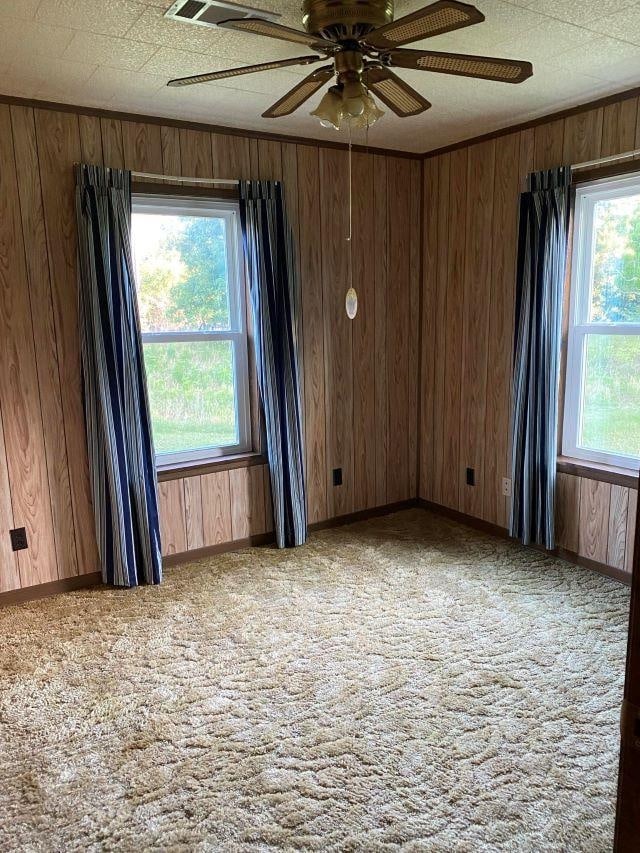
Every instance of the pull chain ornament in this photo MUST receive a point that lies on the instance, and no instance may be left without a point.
(351, 299)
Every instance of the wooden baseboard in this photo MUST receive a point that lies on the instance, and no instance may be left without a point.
(503, 533)
(269, 538)
(469, 520)
(31, 593)
(44, 590)
(594, 565)
(221, 548)
(363, 515)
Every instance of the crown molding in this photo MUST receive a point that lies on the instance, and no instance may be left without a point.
(616, 98)
(210, 128)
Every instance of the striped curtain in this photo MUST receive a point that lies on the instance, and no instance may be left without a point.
(542, 255)
(121, 456)
(273, 284)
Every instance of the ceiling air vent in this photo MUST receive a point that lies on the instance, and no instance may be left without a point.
(209, 13)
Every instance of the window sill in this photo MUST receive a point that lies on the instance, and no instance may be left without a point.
(223, 463)
(595, 471)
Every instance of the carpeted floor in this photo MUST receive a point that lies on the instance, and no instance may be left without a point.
(403, 681)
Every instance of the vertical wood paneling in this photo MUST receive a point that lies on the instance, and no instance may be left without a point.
(112, 147)
(9, 572)
(632, 510)
(477, 284)
(568, 512)
(590, 518)
(58, 143)
(398, 308)
(428, 320)
(364, 446)
(22, 416)
(41, 306)
(619, 127)
(240, 491)
(216, 508)
(500, 338)
(142, 145)
(548, 145)
(527, 155)
(313, 332)
(193, 512)
(441, 392)
(454, 315)
(269, 160)
(195, 154)
(231, 157)
(381, 274)
(593, 537)
(618, 510)
(337, 330)
(173, 528)
(90, 139)
(170, 144)
(257, 513)
(582, 136)
(413, 198)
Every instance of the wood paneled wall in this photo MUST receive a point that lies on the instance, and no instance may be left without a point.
(470, 251)
(360, 381)
(596, 520)
(212, 509)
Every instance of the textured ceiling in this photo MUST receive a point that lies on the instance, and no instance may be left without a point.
(119, 54)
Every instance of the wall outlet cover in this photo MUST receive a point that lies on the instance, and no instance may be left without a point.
(471, 477)
(19, 539)
(337, 476)
(506, 487)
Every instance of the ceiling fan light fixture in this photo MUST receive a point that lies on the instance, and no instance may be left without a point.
(330, 109)
(353, 95)
(370, 114)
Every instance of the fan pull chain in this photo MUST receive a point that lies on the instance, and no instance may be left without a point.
(351, 299)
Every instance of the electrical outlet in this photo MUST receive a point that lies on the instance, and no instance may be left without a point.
(19, 539)
(337, 476)
(471, 477)
(506, 487)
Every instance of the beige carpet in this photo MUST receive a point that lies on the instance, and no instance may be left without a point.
(401, 682)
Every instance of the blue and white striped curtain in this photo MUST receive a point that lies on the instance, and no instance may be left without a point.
(121, 456)
(542, 255)
(274, 290)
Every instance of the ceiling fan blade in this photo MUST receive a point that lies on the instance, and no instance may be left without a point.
(394, 92)
(299, 94)
(463, 65)
(245, 69)
(441, 17)
(277, 31)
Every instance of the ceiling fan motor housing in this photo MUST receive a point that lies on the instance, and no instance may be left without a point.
(345, 19)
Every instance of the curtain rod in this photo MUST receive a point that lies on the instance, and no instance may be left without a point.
(185, 178)
(612, 159)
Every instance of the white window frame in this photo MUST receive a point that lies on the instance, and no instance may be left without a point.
(229, 211)
(586, 198)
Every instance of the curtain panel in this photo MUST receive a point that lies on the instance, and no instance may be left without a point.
(542, 255)
(121, 455)
(274, 289)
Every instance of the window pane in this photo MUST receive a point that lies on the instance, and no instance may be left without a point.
(182, 272)
(615, 293)
(191, 395)
(611, 408)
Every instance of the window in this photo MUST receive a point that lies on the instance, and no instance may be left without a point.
(602, 401)
(192, 316)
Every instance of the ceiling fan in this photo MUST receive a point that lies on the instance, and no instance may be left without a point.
(364, 44)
